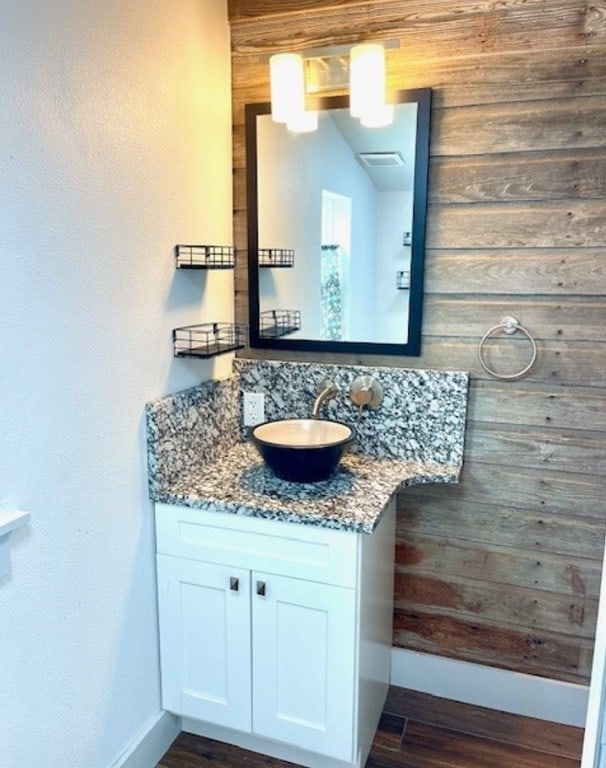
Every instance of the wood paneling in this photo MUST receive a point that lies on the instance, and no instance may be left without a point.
(456, 596)
(516, 646)
(428, 28)
(537, 406)
(512, 225)
(543, 450)
(536, 125)
(571, 318)
(552, 271)
(503, 569)
(480, 179)
(505, 566)
(535, 530)
(521, 488)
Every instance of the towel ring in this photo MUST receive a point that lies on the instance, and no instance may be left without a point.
(508, 325)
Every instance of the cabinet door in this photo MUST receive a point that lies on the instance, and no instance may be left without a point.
(205, 641)
(303, 663)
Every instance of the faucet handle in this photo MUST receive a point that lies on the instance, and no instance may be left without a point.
(328, 389)
(366, 391)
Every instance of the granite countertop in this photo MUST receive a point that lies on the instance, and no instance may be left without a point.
(353, 499)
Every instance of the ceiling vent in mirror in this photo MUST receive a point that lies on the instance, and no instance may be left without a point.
(380, 159)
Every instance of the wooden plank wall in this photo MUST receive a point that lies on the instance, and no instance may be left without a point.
(503, 569)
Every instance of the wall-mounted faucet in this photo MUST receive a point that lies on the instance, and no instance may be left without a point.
(327, 392)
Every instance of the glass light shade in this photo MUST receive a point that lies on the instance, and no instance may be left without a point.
(366, 80)
(304, 122)
(286, 86)
(379, 117)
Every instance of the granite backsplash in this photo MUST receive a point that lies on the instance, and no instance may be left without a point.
(421, 418)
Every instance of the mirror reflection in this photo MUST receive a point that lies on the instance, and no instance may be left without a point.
(336, 229)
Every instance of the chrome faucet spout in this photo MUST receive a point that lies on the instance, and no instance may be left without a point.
(327, 392)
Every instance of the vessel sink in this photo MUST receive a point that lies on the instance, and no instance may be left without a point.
(302, 450)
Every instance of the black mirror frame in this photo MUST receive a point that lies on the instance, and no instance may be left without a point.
(412, 348)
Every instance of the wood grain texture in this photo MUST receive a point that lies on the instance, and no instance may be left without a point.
(569, 224)
(455, 735)
(521, 488)
(531, 650)
(540, 449)
(505, 566)
(486, 27)
(472, 598)
(516, 226)
(521, 529)
(255, 9)
(517, 271)
(540, 735)
(498, 178)
(527, 404)
(572, 318)
(519, 127)
(426, 746)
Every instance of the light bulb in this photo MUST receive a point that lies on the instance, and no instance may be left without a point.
(379, 118)
(287, 86)
(304, 122)
(366, 80)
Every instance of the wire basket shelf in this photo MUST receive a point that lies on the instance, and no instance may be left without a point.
(274, 323)
(276, 257)
(403, 279)
(208, 339)
(204, 257)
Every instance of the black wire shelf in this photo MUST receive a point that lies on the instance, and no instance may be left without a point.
(276, 257)
(204, 257)
(208, 339)
(274, 323)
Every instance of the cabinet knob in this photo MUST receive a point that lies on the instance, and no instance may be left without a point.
(234, 583)
(261, 588)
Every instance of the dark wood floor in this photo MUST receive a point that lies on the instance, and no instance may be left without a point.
(421, 731)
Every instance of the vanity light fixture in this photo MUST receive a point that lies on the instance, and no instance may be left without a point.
(360, 67)
(367, 85)
(287, 85)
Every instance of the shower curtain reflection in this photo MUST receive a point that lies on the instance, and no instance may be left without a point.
(334, 266)
(330, 293)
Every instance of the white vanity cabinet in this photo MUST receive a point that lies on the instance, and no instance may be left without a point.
(275, 636)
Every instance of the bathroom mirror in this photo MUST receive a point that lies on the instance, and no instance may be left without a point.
(336, 229)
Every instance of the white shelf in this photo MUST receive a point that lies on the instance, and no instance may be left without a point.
(9, 521)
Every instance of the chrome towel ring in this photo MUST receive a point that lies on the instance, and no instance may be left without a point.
(508, 325)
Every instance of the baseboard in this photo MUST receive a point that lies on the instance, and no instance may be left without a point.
(150, 743)
(500, 689)
(490, 687)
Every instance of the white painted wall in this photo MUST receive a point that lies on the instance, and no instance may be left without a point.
(115, 145)
(394, 216)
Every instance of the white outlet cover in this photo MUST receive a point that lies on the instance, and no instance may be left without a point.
(253, 406)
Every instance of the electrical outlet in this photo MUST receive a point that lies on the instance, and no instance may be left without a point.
(253, 405)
